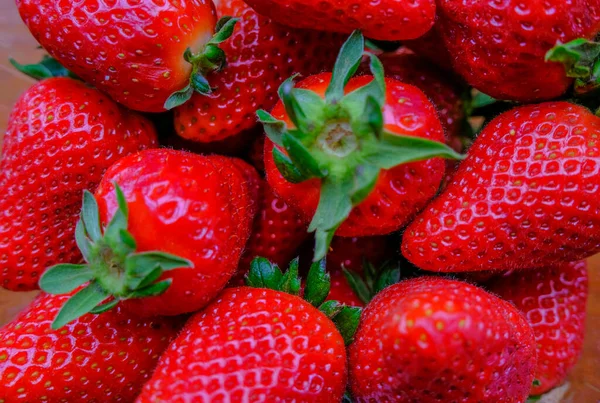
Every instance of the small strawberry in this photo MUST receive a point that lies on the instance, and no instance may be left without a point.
(104, 358)
(344, 151)
(260, 344)
(260, 56)
(277, 234)
(61, 138)
(388, 20)
(443, 92)
(523, 198)
(554, 301)
(437, 340)
(500, 47)
(148, 207)
(147, 55)
(351, 253)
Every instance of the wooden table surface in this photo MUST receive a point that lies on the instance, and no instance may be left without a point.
(16, 42)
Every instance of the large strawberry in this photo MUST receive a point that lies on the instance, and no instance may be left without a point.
(104, 358)
(388, 20)
(61, 138)
(500, 47)
(158, 211)
(259, 344)
(554, 301)
(525, 197)
(436, 340)
(343, 150)
(142, 53)
(261, 54)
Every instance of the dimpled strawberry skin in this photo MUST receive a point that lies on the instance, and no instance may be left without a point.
(130, 49)
(383, 19)
(499, 46)
(260, 56)
(525, 197)
(554, 301)
(400, 192)
(61, 138)
(436, 340)
(253, 345)
(97, 358)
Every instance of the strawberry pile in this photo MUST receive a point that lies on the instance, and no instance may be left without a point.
(300, 200)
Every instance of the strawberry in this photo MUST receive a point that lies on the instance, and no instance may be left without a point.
(153, 205)
(445, 94)
(148, 55)
(431, 46)
(523, 198)
(500, 47)
(388, 20)
(437, 340)
(341, 290)
(104, 358)
(259, 344)
(344, 151)
(277, 234)
(554, 301)
(260, 55)
(61, 138)
(352, 253)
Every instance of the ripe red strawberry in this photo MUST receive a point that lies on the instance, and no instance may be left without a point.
(437, 340)
(352, 253)
(104, 358)
(139, 52)
(258, 345)
(554, 301)
(277, 234)
(523, 198)
(172, 211)
(500, 47)
(260, 56)
(351, 149)
(444, 93)
(388, 20)
(61, 138)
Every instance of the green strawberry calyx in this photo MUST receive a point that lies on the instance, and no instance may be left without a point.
(581, 59)
(210, 59)
(113, 270)
(48, 67)
(373, 280)
(341, 140)
(264, 274)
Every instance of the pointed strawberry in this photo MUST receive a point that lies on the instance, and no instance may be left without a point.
(163, 235)
(61, 138)
(345, 151)
(523, 198)
(260, 343)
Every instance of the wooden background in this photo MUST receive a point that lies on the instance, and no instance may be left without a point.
(16, 42)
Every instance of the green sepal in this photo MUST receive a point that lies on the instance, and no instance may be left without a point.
(264, 274)
(48, 67)
(345, 66)
(79, 304)
(373, 280)
(331, 308)
(347, 321)
(113, 270)
(287, 168)
(480, 100)
(318, 284)
(290, 282)
(581, 59)
(363, 182)
(64, 278)
(274, 128)
(388, 277)
(211, 58)
(359, 286)
(356, 101)
(105, 307)
(304, 162)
